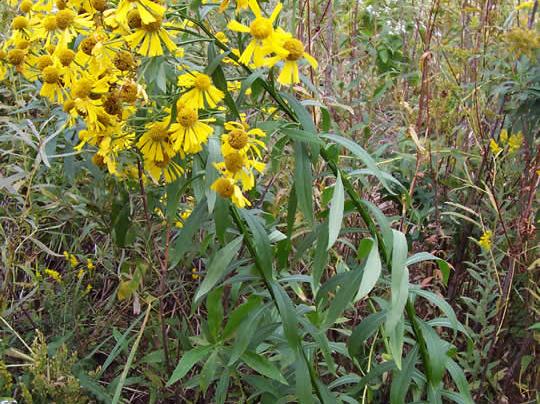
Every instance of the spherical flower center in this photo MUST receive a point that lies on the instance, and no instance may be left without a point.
(124, 61)
(49, 23)
(26, 6)
(61, 4)
(295, 48)
(261, 28)
(152, 26)
(22, 44)
(158, 132)
(202, 82)
(15, 57)
(233, 162)
(224, 187)
(134, 19)
(88, 44)
(68, 106)
(64, 18)
(238, 139)
(187, 117)
(83, 88)
(51, 75)
(20, 22)
(66, 56)
(44, 61)
(98, 160)
(3, 54)
(99, 5)
(128, 92)
(112, 105)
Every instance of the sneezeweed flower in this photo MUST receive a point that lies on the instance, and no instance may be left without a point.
(71, 258)
(265, 40)
(189, 133)
(150, 36)
(201, 90)
(70, 24)
(239, 138)
(495, 148)
(90, 264)
(169, 169)
(52, 88)
(194, 274)
(503, 137)
(240, 5)
(86, 94)
(515, 141)
(227, 189)
(183, 217)
(148, 10)
(240, 168)
(156, 143)
(295, 52)
(485, 240)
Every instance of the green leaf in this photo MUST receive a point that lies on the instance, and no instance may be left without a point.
(288, 315)
(372, 271)
(348, 287)
(304, 117)
(424, 256)
(222, 387)
(215, 312)
(440, 303)
(363, 331)
(303, 181)
(240, 314)
(399, 295)
(300, 135)
(303, 381)
(244, 335)
(188, 360)
(460, 380)
(218, 267)
(184, 240)
(336, 212)
(437, 349)
(208, 371)
(262, 243)
(320, 258)
(401, 379)
(363, 155)
(263, 366)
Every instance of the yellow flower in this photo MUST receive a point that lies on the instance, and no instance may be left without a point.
(168, 168)
(89, 287)
(239, 138)
(239, 168)
(295, 51)
(183, 216)
(155, 144)
(69, 24)
(265, 39)
(485, 240)
(495, 148)
(201, 90)
(148, 10)
(503, 137)
(189, 133)
(194, 274)
(90, 265)
(240, 5)
(149, 36)
(52, 88)
(515, 141)
(53, 274)
(226, 188)
(524, 5)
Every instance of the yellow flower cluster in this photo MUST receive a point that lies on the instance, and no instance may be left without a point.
(86, 58)
(241, 149)
(269, 46)
(485, 240)
(514, 142)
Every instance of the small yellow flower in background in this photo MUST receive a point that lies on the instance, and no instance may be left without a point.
(184, 215)
(515, 141)
(503, 137)
(485, 240)
(201, 91)
(71, 258)
(80, 273)
(150, 36)
(194, 274)
(90, 265)
(89, 287)
(239, 138)
(495, 148)
(148, 10)
(53, 274)
(524, 5)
